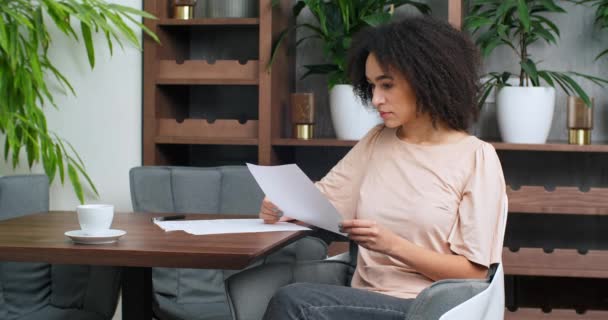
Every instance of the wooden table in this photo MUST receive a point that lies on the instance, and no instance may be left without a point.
(40, 238)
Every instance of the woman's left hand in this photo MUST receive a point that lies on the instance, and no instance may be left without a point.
(370, 235)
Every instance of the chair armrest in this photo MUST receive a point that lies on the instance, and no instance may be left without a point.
(442, 296)
(250, 291)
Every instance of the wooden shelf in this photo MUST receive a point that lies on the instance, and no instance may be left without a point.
(201, 128)
(559, 263)
(555, 146)
(563, 200)
(210, 22)
(199, 131)
(555, 314)
(203, 72)
(314, 142)
(204, 141)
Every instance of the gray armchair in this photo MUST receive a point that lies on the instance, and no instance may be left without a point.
(250, 291)
(45, 291)
(194, 293)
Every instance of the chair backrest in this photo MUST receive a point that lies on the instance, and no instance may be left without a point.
(195, 293)
(228, 189)
(23, 286)
(34, 288)
(490, 303)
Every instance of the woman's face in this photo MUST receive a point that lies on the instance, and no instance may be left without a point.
(392, 94)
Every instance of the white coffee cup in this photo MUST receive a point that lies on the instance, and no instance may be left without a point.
(95, 219)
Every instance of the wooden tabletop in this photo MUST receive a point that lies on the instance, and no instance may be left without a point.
(40, 238)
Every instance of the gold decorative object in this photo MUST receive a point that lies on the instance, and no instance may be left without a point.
(183, 9)
(580, 121)
(303, 115)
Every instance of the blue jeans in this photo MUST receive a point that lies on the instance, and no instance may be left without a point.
(308, 301)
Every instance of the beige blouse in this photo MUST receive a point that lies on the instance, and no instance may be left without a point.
(447, 198)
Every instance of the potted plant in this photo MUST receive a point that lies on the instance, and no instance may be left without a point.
(524, 111)
(337, 21)
(26, 74)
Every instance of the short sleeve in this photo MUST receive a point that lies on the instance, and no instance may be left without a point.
(341, 185)
(478, 231)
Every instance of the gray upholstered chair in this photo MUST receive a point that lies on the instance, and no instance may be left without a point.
(250, 291)
(43, 291)
(193, 293)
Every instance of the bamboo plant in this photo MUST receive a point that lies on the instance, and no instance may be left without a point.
(337, 21)
(518, 24)
(27, 73)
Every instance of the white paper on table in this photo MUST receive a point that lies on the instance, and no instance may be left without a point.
(220, 226)
(293, 192)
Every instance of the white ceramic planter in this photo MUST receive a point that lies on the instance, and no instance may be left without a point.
(525, 113)
(351, 119)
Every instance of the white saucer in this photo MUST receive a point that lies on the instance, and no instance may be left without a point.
(109, 236)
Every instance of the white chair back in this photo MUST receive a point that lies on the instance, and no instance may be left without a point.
(490, 303)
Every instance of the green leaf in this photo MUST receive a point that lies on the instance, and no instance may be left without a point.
(319, 69)
(530, 68)
(60, 166)
(132, 11)
(476, 22)
(603, 53)
(549, 23)
(88, 42)
(377, 19)
(597, 80)
(275, 48)
(73, 175)
(551, 6)
(522, 9)
(579, 91)
(547, 78)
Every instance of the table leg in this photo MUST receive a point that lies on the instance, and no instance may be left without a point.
(136, 293)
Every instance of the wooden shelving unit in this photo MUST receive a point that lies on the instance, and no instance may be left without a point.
(213, 68)
(185, 82)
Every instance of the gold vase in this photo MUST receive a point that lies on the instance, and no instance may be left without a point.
(580, 121)
(183, 9)
(303, 115)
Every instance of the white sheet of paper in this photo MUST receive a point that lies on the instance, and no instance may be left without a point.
(220, 226)
(293, 192)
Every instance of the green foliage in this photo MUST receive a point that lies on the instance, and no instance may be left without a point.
(601, 17)
(518, 24)
(337, 21)
(26, 70)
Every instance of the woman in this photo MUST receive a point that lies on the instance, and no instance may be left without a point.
(420, 196)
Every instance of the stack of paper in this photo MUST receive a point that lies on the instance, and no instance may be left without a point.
(220, 226)
(293, 192)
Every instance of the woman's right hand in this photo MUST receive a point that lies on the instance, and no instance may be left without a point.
(269, 212)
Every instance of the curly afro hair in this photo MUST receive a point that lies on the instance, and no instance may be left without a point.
(438, 61)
